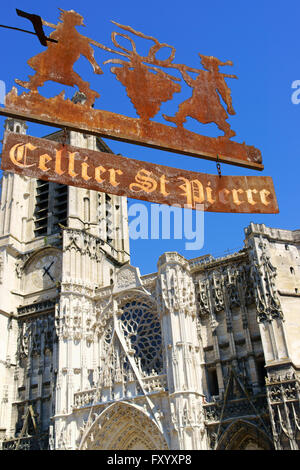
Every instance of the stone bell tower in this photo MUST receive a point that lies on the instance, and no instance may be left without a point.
(58, 245)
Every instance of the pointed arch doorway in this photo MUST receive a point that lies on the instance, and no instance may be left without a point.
(243, 435)
(122, 426)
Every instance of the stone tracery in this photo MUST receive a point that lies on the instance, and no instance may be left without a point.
(142, 330)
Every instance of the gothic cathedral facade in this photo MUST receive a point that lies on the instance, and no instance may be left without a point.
(203, 354)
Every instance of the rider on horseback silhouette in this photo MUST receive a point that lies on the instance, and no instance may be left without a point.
(57, 61)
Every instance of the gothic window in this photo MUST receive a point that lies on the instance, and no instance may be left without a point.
(86, 203)
(91, 378)
(60, 209)
(213, 382)
(107, 208)
(141, 328)
(100, 214)
(261, 372)
(41, 208)
(109, 218)
(51, 207)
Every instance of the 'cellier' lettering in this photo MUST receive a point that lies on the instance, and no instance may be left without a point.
(19, 153)
(43, 159)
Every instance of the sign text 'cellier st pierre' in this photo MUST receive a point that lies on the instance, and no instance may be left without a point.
(149, 82)
(48, 160)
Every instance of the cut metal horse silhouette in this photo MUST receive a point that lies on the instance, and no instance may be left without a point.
(56, 62)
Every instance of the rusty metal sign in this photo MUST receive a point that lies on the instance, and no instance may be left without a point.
(105, 172)
(149, 82)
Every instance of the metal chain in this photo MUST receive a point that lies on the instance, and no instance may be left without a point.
(218, 166)
(64, 137)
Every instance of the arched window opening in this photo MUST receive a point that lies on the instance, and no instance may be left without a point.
(142, 330)
(261, 372)
(213, 384)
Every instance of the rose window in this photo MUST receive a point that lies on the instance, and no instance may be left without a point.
(142, 331)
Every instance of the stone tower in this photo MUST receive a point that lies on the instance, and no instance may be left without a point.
(58, 245)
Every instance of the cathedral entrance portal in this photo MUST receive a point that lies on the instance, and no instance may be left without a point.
(123, 427)
(242, 435)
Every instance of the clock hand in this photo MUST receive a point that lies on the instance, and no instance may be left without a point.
(46, 271)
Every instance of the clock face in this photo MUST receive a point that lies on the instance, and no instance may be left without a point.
(46, 271)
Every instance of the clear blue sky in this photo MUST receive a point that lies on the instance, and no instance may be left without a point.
(260, 37)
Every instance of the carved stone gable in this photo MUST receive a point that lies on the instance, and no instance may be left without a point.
(127, 277)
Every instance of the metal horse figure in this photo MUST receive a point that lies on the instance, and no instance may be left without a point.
(57, 61)
(205, 105)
